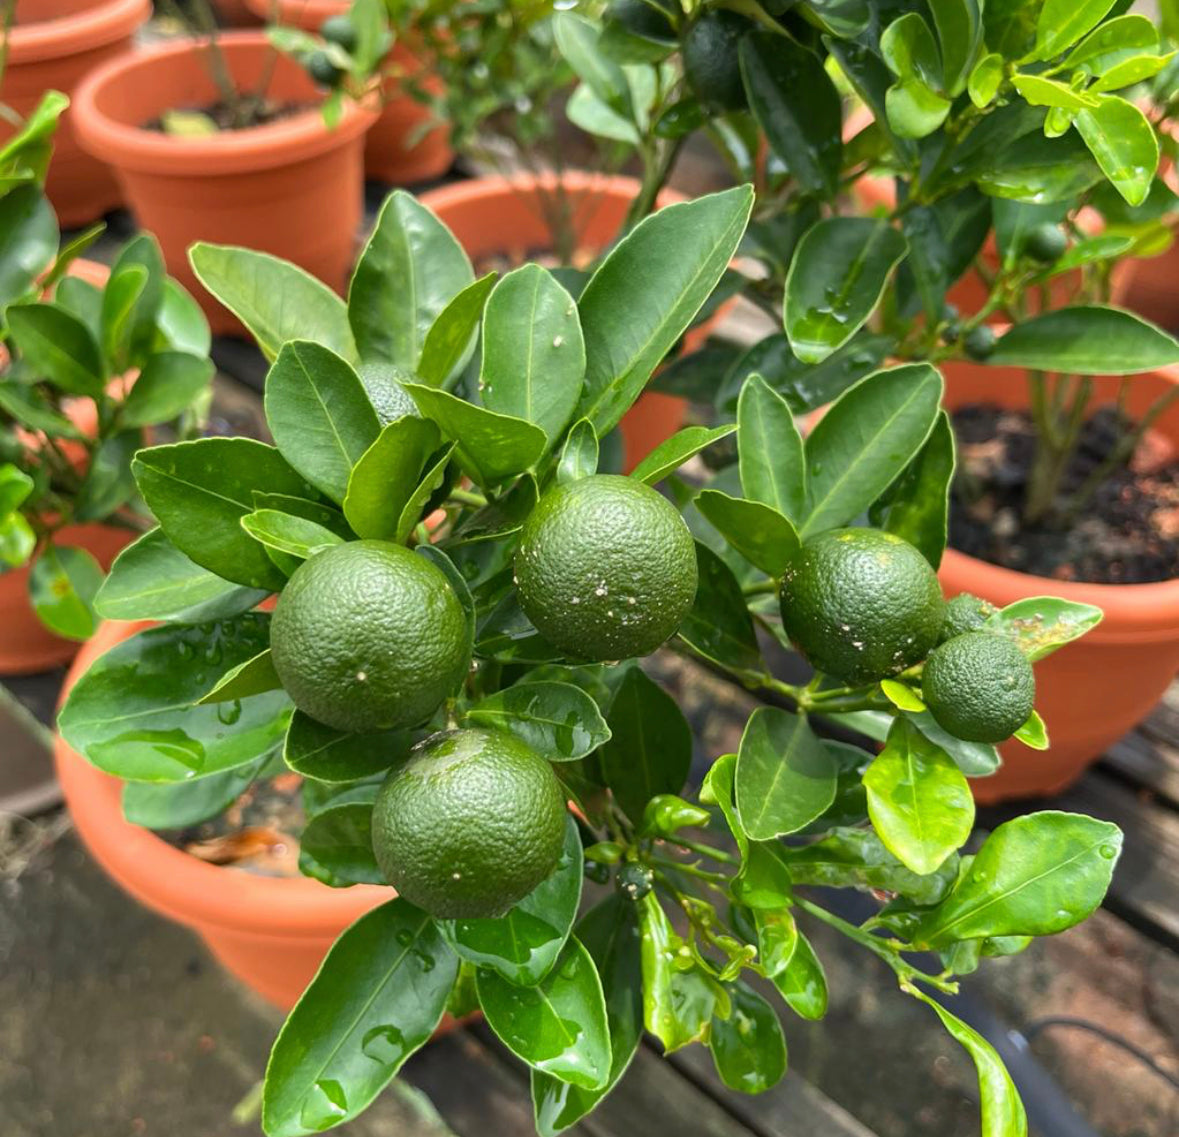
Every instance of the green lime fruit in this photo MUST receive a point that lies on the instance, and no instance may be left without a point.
(642, 18)
(368, 636)
(341, 31)
(979, 686)
(965, 613)
(605, 568)
(321, 68)
(861, 604)
(597, 872)
(1046, 243)
(634, 881)
(712, 64)
(469, 824)
(384, 384)
(980, 342)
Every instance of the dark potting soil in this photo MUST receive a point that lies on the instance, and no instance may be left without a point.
(262, 114)
(1128, 533)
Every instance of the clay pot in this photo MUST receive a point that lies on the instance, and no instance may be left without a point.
(52, 45)
(495, 216)
(272, 933)
(292, 188)
(1095, 690)
(393, 150)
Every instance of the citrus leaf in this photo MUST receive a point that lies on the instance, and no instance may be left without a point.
(1044, 624)
(557, 720)
(57, 346)
(748, 1047)
(167, 386)
(386, 475)
(450, 337)
(773, 470)
(289, 534)
(327, 755)
(579, 455)
(719, 626)
(62, 585)
(673, 452)
(253, 677)
(757, 531)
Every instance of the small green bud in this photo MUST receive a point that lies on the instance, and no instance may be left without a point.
(980, 342)
(665, 813)
(1046, 243)
(596, 871)
(634, 881)
(321, 68)
(604, 852)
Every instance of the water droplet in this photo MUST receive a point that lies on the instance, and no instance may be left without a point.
(324, 1106)
(404, 937)
(185, 650)
(1108, 852)
(384, 1044)
(213, 652)
(229, 713)
(424, 961)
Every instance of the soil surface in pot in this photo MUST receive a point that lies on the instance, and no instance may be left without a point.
(1128, 533)
(227, 116)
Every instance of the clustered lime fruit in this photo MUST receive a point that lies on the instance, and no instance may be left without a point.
(469, 824)
(861, 604)
(369, 636)
(605, 568)
(340, 30)
(965, 613)
(384, 385)
(323, 70)
(712, 61)
(979, 686)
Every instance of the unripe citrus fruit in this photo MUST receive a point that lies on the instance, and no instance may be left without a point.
(979, 686)
(383, 384)
(641, 18)
(1046, 243)
(469, 824)
(861, 604)
(712, 61)
(980, 342)
(965, 613)
(321, 68)
(368, 636)
(339, 30)
(605, 568)
(634, 881)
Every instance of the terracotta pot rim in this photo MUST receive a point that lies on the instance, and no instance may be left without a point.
(302, 13)
(486, 186)
(105, 22)
(176, 884)
(292, 140)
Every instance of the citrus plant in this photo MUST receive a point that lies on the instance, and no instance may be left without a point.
(453, 666)
(87, 371)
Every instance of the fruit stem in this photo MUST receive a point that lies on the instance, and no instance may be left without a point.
(467, 497)
(703, 850)
(760, 588)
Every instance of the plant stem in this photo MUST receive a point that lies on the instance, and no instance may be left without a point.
(467, 497)
(703, 850)
(760, 588)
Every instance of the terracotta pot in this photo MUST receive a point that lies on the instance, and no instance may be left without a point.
(502, 216)
(1154, 289)
(271, 932)
(393, 150)
(52, 45)
(1095, 690)
(292, 188)
(236, 14)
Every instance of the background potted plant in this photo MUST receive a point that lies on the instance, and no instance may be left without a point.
(443, 713)
(92, 360)
(51, 46)
(1001, 131)
(221, 139)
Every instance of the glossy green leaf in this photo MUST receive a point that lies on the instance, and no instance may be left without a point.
(132, 335)
(289, 534)
(108, 482)
(489, 446)
(153, 580)
(1033, 168)
(838, 274)
(1002, 1111)
(28, 241)
(678, 1005)
(451, 335)
(276, 300)
(802, 982)
(1041, 92)
(974, 759)
(770, 450)
(757, 531)
(960, 34)
(914, 110)
(1044, 624)
(645, 293)
(748, 1048)
(1112, 43)
(919, 802)
(719, 626)
(917, 505)
(985, 79)
(62, 585)
(339, 840)
(58, 347)
(1062, 22)
(167, 386)
(533, 350)
(1131, 71)
(1083, 340)
(178, 805)
(502, 517)
(673, 452)
(336, 1052)
(797, 106)
(327, 755)
(558, 1026)
(1034, 876)
(15, 487)
(650, 748)
(610, 933)
(1124, 143)
(181, 321)
(133, 714)
(253, 677)
(866, 439)
(438, 469)
(557, 720)
(410, 270)
(785, 777)
(386, 475)
(319, 414)
(1033, 733)
(901, 695)
(857, 858)
(523, 945)
(120, 299)
(577, 40)
(199, 491)
(579, 455)
(908, 49)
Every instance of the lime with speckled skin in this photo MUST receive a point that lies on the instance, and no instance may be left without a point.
(469, 824)
(712, 62)
(861, 604)
(369, 636)
(339, 30)
(605, 568)
(383, 383)
(979, 686)
(321, 68)
(965, 613)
